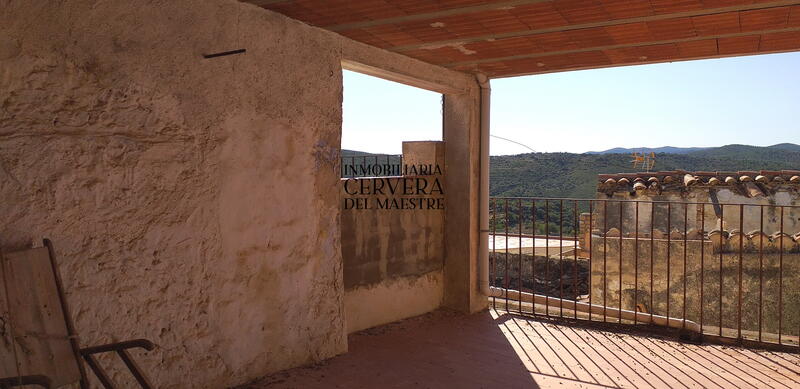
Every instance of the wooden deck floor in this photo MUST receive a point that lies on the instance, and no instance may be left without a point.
(497, 350)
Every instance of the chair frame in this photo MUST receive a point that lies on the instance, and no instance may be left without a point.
(86, 354)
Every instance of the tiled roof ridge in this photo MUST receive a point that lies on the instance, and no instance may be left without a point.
(687, 178)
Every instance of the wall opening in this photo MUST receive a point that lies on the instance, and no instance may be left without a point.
(378, 116)
(392, 243)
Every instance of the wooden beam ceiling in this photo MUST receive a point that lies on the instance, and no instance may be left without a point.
(504, 38)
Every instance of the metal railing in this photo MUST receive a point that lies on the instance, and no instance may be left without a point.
(373, 165)
(688, 265)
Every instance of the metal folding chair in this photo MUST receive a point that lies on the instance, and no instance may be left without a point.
(38, 342)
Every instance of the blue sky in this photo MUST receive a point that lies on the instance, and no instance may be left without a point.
(750, 100)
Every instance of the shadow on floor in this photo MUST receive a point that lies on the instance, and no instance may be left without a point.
(495, 349)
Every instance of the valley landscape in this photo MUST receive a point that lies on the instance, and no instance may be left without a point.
(575, 175)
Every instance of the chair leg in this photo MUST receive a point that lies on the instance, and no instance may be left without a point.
(99, 372)
(134, 369)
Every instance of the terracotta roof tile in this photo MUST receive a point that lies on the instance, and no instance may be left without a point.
(679, 179)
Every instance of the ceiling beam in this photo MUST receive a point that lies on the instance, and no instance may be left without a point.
(613, 47)
(399, 77)
(516, 34)
(433, 15)
(644, 62)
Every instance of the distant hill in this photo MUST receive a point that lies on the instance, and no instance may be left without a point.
(665, 149)
(575, 175)
(786, 146)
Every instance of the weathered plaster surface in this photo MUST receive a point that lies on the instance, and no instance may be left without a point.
(192, 201)
(380, 244)
(393, 299)
(393, 258)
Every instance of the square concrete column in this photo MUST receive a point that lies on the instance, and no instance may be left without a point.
(424, 153)
(462, 164)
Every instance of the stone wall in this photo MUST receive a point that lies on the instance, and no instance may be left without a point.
(565, 277)
(192, 201)
(685, 214)
(668, 273)
(393, 258)
(743, 201)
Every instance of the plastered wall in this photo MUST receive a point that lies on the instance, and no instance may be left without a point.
(394, 258)
(192, 201)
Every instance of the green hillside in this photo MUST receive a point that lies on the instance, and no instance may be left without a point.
(575, 175)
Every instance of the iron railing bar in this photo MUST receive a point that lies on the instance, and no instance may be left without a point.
(505, 277)
(652, 256)
(620, 260)
(494, 249)
(605, 255)
(636, 264)
(669, 246)
(575, 228)
(760, 270)
(780, 283)
(702, 262)
(721, 230)
(533, 262)
(547, 253)
(685, 252)
(561, 256)
(589, 281)
(519, 267)
(741, 259)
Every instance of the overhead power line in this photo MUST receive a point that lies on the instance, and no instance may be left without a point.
(513, 141)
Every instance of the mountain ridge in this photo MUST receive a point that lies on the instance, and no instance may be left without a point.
(575, 175)
(571, 175)
(686, 150)
(663, 149)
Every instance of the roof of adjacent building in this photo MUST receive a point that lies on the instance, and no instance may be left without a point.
(681, 179)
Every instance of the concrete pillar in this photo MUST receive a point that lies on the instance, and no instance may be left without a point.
(424, 153)
(585, 231)
(462, 157)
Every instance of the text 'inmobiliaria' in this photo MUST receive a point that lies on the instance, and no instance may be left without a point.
(419, 188)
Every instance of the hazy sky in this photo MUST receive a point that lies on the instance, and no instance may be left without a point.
(751, 100)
